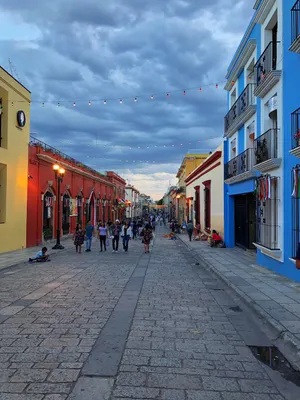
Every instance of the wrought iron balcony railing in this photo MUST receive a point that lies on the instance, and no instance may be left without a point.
(295, 25)
(266, 63)
(238, 165)
(245, 100)
(266, 146)
(296, 129)
(49, 149)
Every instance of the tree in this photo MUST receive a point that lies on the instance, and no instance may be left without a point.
(160, 202)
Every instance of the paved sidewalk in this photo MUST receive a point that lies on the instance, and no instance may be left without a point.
(275, 298)
(21, 256)
(106, 326)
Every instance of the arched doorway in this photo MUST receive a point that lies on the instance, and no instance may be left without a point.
(79, 208)
(48, 215)
(66, 214)
(91, 209)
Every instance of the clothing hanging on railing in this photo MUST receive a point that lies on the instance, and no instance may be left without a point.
(264, 188)
(49, 201)
(296, 183)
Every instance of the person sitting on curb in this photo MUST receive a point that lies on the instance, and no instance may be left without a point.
(41, 256)
(216, 240)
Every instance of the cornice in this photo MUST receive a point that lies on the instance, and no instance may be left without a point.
(73, 169)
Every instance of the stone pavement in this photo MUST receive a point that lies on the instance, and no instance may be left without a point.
(21, 256)
(275, 298)
(127, 326)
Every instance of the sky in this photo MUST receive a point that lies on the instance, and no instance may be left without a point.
(71, 51)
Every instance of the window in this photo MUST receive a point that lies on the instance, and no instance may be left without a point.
(207, 205)
(3, 183)
(267, 212)
(295, 209)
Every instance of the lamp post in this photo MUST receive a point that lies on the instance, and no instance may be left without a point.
(59, 176)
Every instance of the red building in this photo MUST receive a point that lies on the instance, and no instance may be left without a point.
(85, 194)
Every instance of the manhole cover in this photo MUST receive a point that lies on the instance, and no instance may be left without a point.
(274, 359)
(236, 309)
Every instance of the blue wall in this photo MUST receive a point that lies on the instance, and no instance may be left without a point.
(246, 186)
(291, 90)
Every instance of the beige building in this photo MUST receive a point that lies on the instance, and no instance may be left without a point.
(205, 193)
(191, 161)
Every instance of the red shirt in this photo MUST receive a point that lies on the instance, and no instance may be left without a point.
(215, 236)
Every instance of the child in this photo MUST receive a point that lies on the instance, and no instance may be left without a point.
(78, 240)
(41, 256)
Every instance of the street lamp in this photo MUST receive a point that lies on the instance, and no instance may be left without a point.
(59, 176)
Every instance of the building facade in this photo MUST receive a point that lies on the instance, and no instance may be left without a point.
(14, 137)
(118, 209)
(261, 137)
(86, 195)
(204, 194)
(132, 202)
(191, 161)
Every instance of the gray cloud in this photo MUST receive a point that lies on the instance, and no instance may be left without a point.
(88, 51)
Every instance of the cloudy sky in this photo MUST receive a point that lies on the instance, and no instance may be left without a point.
(70, 51)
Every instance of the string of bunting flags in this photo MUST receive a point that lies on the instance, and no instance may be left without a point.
(121, 99)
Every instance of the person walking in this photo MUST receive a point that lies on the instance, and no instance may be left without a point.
(89, 230)
(78, 239)
(134, 230)
(147, 237)
(126, 235)
(115, 231)
(190, 229)
(102, 236)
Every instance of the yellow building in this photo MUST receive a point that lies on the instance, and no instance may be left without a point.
(14, 138)
(189, 163)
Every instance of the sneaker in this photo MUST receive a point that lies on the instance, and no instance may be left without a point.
(113, 251)
(116, 251)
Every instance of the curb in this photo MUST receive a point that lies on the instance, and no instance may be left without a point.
(281, 332)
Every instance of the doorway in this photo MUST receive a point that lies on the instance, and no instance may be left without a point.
(48, 216)
(66, 214)
(245, 220)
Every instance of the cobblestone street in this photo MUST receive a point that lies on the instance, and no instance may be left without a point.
(127, 326)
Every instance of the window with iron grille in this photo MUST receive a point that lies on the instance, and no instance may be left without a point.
(295, 209)
(267, 212)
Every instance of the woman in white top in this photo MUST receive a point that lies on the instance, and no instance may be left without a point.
(126, 234)
(102, 236)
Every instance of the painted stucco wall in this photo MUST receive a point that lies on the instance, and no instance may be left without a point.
(13, 164)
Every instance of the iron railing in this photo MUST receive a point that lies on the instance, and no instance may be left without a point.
(266, 63)
(295, 25)
(267, 228)
(245, 100)
(265, 146)
(49, 149)
(238, 165)
(295, 125)
(295, 210)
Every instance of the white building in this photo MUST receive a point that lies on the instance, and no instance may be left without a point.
(132, 202)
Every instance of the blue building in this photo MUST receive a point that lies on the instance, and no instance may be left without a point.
(262, 138)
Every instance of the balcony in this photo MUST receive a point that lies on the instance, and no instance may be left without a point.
(243, 109)
(266, 72)
(296, 133)
(266, 151)
(295, 28)
(240, 168)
